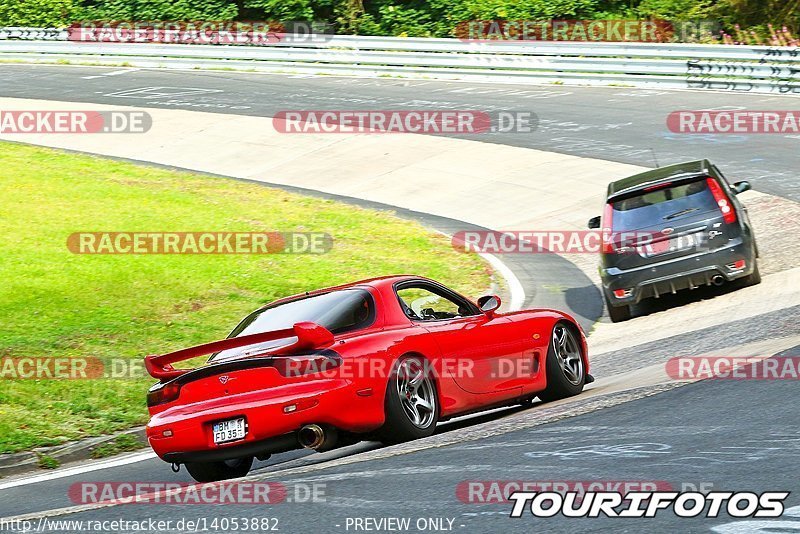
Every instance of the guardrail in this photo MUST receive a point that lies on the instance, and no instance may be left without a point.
(668, 65)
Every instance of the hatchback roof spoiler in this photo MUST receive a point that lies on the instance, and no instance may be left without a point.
(636, 189)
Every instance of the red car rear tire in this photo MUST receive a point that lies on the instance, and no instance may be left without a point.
(411, 402)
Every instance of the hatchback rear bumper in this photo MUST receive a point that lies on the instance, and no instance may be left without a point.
(670, 276)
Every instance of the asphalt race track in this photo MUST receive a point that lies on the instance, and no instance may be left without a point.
(614, 123)
(640, 440)
(726, 435)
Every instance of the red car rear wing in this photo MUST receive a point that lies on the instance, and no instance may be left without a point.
(309, 336)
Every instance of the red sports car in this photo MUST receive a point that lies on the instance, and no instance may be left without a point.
(385, 359)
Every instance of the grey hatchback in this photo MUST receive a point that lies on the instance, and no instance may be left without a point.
(673, 228)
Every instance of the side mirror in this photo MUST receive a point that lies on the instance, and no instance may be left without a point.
(594, 222)
(741, 187)
(489, 304)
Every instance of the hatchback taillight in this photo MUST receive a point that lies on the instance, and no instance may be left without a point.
(608, 215)
(606, 226)
(162, 394)
(724, 203)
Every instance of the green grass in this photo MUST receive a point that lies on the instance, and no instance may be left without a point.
(48, 462)
(55, 303)
(120, 444)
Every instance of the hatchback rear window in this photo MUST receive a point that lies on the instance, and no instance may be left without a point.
(662, 206)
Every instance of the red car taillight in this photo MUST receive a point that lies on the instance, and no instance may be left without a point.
(162, 395)
(724, 203)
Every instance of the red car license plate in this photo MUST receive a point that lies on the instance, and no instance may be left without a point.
(231, 430)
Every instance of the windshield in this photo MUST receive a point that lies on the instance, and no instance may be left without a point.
(338, 311)
(663, 206)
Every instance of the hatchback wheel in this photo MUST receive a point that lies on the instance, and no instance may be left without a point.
(618, 314)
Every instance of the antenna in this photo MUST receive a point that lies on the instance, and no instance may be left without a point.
(654, 157)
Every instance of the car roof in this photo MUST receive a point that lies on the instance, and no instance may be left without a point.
(680, 170)
(377, 283)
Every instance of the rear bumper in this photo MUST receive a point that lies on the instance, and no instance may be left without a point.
(670, 276)
(271, 428)
(284, 443)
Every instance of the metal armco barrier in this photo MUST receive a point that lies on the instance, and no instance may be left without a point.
(761, 69)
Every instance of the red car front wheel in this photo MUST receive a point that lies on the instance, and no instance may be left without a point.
(566, 375)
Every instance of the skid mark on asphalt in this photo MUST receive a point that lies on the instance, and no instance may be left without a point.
(617, 450)
(161, 92)
(751, 526)
(112, 73)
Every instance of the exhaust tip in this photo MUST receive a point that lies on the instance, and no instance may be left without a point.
(717, 280)
(311, 436)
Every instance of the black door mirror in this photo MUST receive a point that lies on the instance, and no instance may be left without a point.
(594, 222)
(489, 304)
(741, 187)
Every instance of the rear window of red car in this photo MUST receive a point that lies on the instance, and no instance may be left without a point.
(338, 311)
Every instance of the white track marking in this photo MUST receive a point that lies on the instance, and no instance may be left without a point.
(514, 285)
(78, 470)
(113, 73)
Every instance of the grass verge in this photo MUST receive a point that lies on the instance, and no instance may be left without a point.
(118, 445)
(55, 303)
